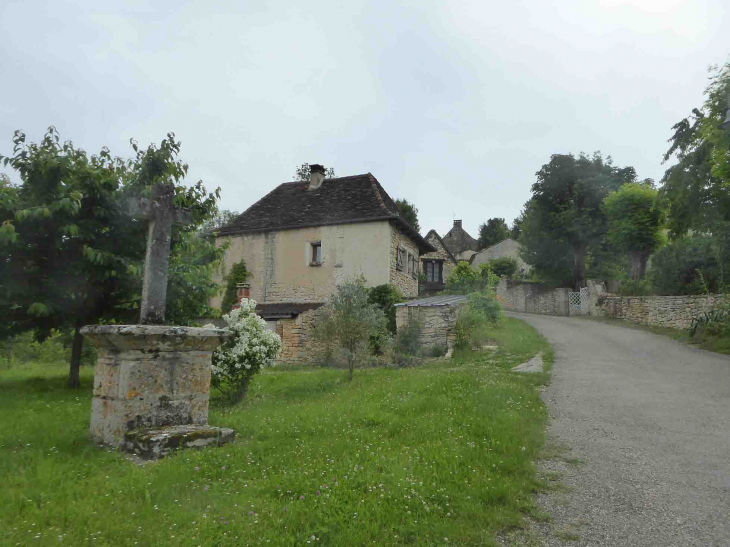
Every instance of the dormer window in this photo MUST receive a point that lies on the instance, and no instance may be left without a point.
(316, 254)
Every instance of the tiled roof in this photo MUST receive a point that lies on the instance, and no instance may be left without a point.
(458, 240)
(342, 200)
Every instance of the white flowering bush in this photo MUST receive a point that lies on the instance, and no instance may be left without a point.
(251, 347)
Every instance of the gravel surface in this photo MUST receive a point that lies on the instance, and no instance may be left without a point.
(646, 421)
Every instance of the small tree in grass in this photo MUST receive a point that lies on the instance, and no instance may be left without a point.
(350, 320)
(251, 347)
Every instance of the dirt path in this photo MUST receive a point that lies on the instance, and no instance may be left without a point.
(647, 422)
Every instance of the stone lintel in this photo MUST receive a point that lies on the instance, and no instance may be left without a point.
(157, 443)
(153, 338)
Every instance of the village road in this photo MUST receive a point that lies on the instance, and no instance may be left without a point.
(649, 418)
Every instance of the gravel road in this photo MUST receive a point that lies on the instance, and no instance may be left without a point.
(647, 422)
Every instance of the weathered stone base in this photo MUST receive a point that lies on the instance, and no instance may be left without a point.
(157, 443)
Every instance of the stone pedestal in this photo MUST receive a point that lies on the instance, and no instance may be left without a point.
(152, 377)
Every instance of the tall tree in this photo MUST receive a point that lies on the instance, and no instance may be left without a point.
(216, 222)
(635, 222)
(492, 232)
(697, 189)
(516, 229)
(72, 253)
(409, 212)
(565, 212)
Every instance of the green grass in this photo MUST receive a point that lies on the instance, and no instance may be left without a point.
(703, 340)
(435, 455)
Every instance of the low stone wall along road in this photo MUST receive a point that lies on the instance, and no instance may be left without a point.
(647, 420)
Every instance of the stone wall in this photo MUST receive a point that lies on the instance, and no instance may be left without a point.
(296, 338)
(404, 281)
(674, 312)
(532, 298)
(437, 324)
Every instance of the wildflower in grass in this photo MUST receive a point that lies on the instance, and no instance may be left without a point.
(301, 497)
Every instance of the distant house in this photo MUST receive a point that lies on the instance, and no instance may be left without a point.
(460, 243)
(507, 247)
(303, 238)
(436, 265)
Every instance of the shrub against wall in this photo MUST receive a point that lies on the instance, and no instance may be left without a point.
(238, 274)
(241, 356)
(503, 266)
(681, 267)
(386, 297)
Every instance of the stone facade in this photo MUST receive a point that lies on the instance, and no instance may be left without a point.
(405, 279)
(149, 377)
(508, 247)
(441, 253)
(532, 298)
(674, 312)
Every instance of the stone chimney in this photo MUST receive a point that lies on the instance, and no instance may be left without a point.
(457, 224)
(243, 290)
(316, 176)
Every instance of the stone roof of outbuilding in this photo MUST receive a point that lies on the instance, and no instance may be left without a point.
(285, 309)
(342, 200)
(458, 240)
(438, 300)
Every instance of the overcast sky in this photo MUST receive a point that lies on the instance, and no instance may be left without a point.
(453, 105)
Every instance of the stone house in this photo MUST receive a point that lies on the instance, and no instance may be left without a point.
(303, 238)
(436, 265)
(507, 247)
(460, 243)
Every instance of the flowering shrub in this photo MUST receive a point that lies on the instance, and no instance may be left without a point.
(251, 347)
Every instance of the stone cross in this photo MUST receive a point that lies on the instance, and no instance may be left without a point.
(161, 215)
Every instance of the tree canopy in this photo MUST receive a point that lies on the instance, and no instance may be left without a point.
(635, 222)
(409, 212)
(72, 253)
(565, 215)
(696, 189)
(492, 232)
(303, 172)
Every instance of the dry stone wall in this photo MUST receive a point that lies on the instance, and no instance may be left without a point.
(532, 298)
(437, 324)
(296, 338)
(674, 312)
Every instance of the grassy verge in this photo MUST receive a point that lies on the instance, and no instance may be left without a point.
(435, 455)
(703, 340)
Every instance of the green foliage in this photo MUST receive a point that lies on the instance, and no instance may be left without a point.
(504, 266)
(409, 212)
(238, 274)
(406, 341)
(386, 297)
(695, 189)
(487, 305)
(492, 232)
(472, 329)
(679, 268)
(565, 216)
(303, 172)
(635, 221)
(73, 254)
(218, 221)
(463, 279)
(516, 230)
(638, 287)
(350, 320)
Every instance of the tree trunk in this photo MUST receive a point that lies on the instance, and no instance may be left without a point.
(351, 364)
(579, 266)
(638, 264)
(76, 347)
